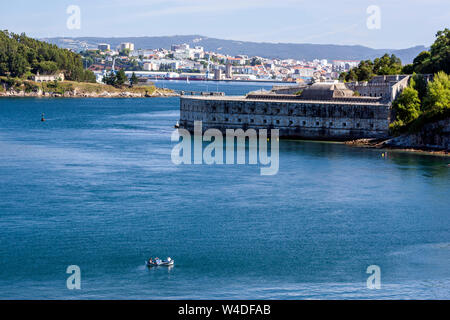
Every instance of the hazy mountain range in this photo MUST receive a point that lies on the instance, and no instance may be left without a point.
(299, 51)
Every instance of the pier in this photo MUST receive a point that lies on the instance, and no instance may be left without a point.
(199, 93)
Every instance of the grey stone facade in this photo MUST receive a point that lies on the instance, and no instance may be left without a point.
(386, 87)
(325, 120)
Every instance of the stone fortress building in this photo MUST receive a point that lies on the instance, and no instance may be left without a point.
(322, 111)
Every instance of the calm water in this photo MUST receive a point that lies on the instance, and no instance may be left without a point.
(94, 186)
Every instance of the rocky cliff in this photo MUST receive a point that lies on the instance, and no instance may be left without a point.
(435, 136)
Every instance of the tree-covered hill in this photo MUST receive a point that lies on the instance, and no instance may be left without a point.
(21, 56)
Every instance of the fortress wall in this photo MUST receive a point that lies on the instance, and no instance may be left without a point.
(301, 119)
(398, 87)
(372, 90)
(387, 89)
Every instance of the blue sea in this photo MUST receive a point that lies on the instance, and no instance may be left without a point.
(94, 186)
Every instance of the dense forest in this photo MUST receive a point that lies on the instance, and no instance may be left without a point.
(21, 56)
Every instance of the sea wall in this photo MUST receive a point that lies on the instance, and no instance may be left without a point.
(324, 120)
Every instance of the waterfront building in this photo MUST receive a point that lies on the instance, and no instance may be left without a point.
(48, 77)
(324, 111)
(104, 47)
(235, 60)
(218, 74)
(229, 71)
(150, 66)
(176, 47)
(126, 45)
(303, 72)
(344, 65)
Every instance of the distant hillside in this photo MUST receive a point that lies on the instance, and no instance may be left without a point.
(270, 50)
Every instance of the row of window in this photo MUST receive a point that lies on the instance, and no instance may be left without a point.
(344, 124)
(304, 111)
(374, 95)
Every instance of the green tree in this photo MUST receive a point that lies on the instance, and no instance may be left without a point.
(89, 76)
(438, 94)
(408, 69)
(419, 83)
(121, 77)
(407, 105)
(47, 67)
(364, 71)
(440, 52)
(438, 58)
(110, 79)
(421, 63)
(17, 65)
(351, 76)
(134, 79)
(387, 65)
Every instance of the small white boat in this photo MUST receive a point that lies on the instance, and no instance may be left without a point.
(162, 263)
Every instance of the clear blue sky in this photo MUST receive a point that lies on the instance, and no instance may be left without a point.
(404, 23)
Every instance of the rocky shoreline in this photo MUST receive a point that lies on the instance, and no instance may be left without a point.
(80, 94)
(387, 144)
(433, 138)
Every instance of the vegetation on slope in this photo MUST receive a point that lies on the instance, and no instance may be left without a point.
(413, 109)
(423, 102)
(22, 57)
(63, 87)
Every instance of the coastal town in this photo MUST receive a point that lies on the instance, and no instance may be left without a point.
(183, 62)
(341, 100)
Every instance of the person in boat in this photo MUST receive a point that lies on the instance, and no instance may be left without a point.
(157, 261)
(150, 261)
